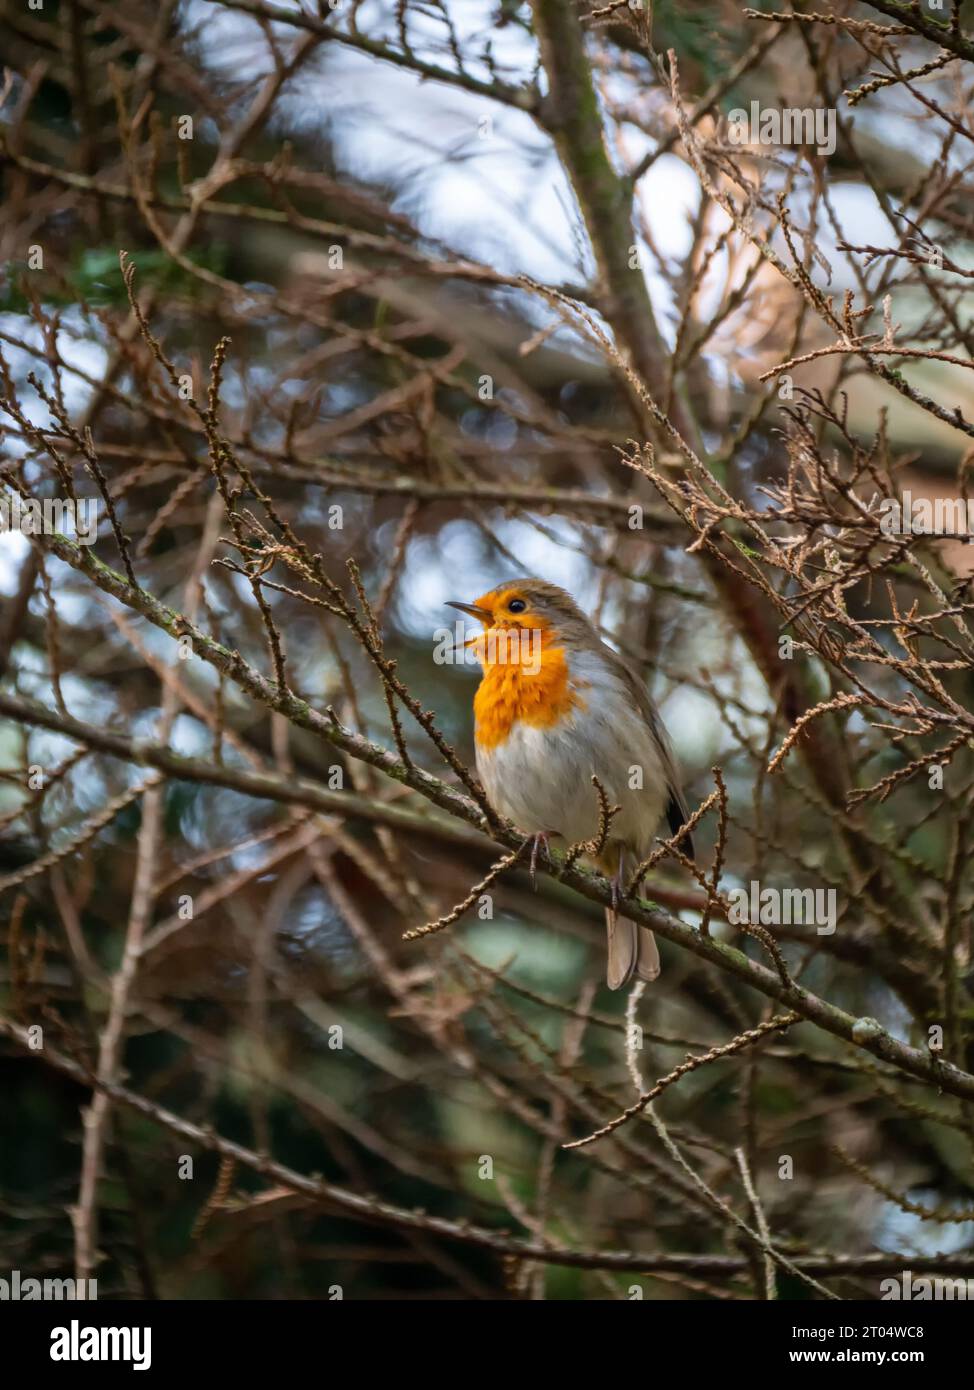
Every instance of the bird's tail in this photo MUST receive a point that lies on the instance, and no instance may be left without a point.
(632, 951)
(631, 948)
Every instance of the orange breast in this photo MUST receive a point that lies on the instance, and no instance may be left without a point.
(508, 694)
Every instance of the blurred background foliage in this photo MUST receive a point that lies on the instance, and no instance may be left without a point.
(387, 360)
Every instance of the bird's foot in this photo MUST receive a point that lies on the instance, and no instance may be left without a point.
(541, 838)
(617, 883)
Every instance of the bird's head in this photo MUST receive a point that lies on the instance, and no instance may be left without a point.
(532, 605)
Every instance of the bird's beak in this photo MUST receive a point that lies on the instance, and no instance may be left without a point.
(482, 613)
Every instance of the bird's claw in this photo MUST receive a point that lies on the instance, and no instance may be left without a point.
(537, 841)
(616, 884)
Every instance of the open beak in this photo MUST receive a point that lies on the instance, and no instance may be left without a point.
(482, 613)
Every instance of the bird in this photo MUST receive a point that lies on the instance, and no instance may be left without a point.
(556, 706)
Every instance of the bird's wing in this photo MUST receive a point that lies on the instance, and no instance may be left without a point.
(677, 811)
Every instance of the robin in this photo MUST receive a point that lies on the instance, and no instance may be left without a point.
(554, 707)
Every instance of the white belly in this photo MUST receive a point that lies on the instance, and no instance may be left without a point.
(542, 778)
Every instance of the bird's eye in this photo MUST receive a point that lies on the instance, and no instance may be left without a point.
(517, 605)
